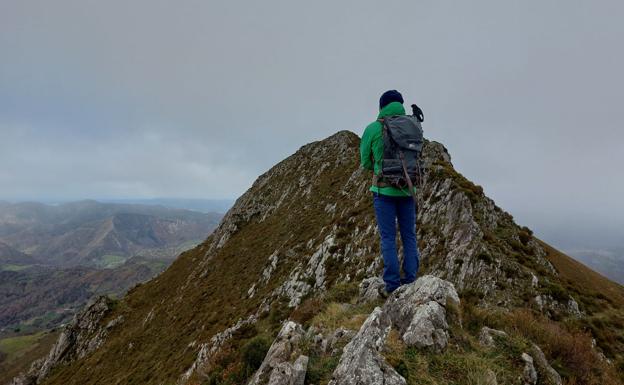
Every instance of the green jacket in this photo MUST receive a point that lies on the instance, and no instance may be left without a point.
(372, 143)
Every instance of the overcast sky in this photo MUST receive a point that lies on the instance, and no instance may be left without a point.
(134, 99)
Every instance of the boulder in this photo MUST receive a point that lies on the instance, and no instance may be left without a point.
(279, 365)
(286, 373)
(361, 361)
(418, 311)
(529, 374)
(547, 374)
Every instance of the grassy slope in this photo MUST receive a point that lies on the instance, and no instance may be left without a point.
(14, 346)
(21, 351)
(601, 299)
(583, 277)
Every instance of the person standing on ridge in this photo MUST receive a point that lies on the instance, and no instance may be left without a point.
(393, 177)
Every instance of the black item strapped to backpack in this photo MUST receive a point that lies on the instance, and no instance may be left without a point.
(403, 143)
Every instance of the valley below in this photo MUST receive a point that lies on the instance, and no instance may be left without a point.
(54, 259)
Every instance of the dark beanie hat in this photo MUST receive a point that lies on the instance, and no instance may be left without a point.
(389, 97)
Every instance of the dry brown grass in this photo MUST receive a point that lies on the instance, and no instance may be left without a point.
(394, 348)
(343, 315)
(570, 350)
(307, 310)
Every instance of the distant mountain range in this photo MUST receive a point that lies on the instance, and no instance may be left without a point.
(90, 233)
(53, 258)
(201, 205)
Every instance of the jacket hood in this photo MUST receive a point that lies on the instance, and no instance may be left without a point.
(394, 108)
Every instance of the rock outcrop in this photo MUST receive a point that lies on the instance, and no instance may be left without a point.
(369, 289)
(283, 365)
(417, 312)
(529, 374)
(361, 361)
(81, 337)
(536, 366)
(208, 350)
(286, 373)
(546, 373)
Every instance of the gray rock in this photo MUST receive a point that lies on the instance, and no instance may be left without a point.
(286, 373)
(418, 311)
(361, 361)
(529, 374)
(278, 365)
(80, 338)
(573, 308)
(486, 336)
(428, 327)
(547, 374)
(534, 281)
(549, 305)
(369, 289)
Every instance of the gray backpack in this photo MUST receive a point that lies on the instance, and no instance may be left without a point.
(403, 143)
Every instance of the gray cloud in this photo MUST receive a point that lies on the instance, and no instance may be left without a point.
(196, 98)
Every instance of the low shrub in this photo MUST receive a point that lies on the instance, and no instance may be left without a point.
(524, 236)
(320, 369)
(557, 292)
(485, 257)
(253, 353)
(278, 312)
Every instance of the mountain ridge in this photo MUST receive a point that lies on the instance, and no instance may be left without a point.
(80, 233)
(296, 245)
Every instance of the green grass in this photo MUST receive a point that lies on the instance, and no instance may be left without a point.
(13, 267)
(20, 360)
(110, 261)
(16, 346)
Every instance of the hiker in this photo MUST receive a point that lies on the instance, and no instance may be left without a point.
(392, 198)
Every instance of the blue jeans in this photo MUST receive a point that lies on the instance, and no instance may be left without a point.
(387, 210)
